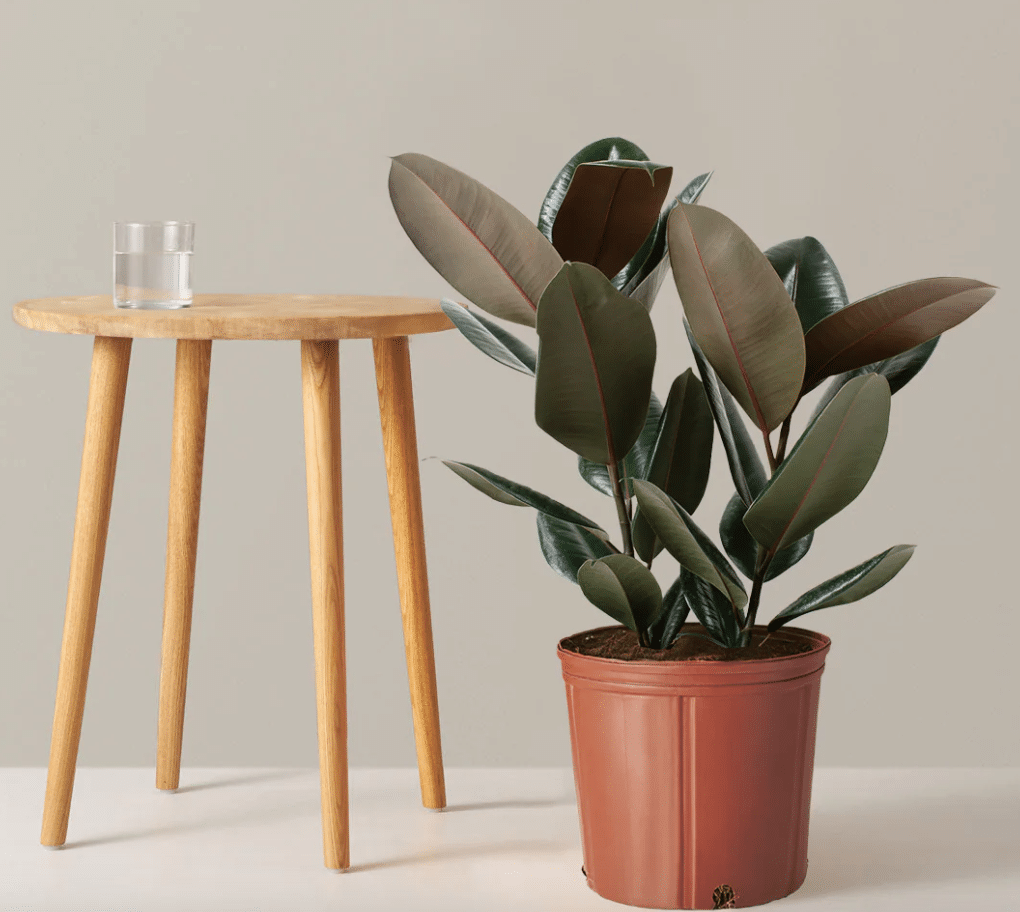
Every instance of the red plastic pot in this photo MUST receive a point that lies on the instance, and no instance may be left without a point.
(693, 778)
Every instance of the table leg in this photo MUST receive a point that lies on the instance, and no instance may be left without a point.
(396, 412)
(320, 383)
(107, 386)
(191, 396)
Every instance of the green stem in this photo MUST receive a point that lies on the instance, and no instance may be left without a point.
(621, 510)
(773, 462)
(784, 436)
(760, 569)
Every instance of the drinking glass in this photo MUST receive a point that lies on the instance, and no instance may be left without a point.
(152, 264)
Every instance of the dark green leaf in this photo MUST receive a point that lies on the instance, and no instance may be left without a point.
(898, 370)
(517, 495)
(595, 362)
(739, 311)
(491, 338)
(670, 622)
(611, 149)
(682, 455)
(850, 586)
(810, 277)
(623, 588)
(745, 465)
(682, 538)
(643, 276)
(713, 610)
(609, 209)
(638, 459)
(566, 546)
(484, 247)
(827, 469)
(743, 549)
(889, 323)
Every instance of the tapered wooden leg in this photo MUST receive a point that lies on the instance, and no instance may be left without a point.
(320, 385)
(396, 411)
(107, 385)
(191, 396)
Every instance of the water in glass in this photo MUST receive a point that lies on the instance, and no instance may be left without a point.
(152, 280)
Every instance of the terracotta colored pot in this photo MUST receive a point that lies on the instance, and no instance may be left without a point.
(694, 778)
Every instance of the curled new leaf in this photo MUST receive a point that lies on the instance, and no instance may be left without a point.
(609, 209)
(827, 469)
(595, 361)
(663, 633)
(566, 546)
(713, 610)
(850, 586)
(739, 312)
(682, 455)
(484, 247)
(811, 278)
(491, 338)
(682, 538)
(613, 148)
(745, 465)
(623, 588)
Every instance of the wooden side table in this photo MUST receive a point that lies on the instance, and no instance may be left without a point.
(318, 321)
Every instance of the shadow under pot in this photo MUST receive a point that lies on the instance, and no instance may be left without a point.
(693, 777)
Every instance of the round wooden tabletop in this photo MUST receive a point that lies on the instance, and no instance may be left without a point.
(240, 316)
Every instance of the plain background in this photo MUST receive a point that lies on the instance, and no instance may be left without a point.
(887, 130)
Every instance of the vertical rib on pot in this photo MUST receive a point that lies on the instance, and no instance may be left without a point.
(694, 775)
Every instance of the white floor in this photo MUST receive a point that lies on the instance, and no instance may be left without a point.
(249, 841)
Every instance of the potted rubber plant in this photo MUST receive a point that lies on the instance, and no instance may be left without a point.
(693, 743)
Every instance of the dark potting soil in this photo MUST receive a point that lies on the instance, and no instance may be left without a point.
(621, 643)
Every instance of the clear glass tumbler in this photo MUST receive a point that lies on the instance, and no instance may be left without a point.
(152, 264)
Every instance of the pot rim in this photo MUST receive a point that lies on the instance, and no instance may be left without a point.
(822, 642)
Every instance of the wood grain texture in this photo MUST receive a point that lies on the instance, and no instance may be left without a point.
(321, 395)
(240, 316)
(107, 387)
(191, 396)
(396, 412)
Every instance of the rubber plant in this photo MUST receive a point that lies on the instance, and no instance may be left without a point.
(766, 329)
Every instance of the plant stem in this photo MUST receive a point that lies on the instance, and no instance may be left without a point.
(768, 450)
(621, 509)
(784, 436)
(761, 567)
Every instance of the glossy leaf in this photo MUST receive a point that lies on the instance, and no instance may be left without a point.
(608, 211)
(517, 495)
(595, 362)
(811, 279)
(682, 538)
(623, 588)
(484, 247)
(612, 148)
(682, 455)
(491, 338)
(742, 549)
(643, 276)
(828, 467)
(850, 586)
(566, 546)
(889, 323)
(636, 463)
(898, 370)
(739, 312)
(745, 465)
(713, 610)
(663, 633)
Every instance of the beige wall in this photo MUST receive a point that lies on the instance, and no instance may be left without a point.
(887, 130)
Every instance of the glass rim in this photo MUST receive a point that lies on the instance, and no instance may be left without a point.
(154, 224)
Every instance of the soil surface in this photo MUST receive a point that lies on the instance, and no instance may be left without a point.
(621, 643)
